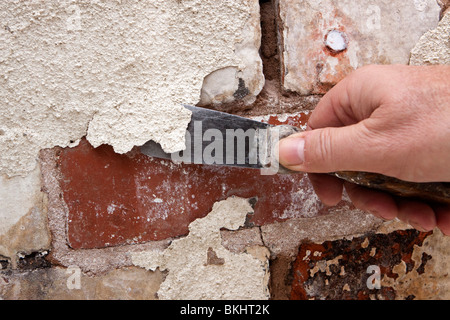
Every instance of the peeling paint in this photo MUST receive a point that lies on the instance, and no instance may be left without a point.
(200, 267)
(114, 71)
(424, 273)
(411, 265)
(434, 46)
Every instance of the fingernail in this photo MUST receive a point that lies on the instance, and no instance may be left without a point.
(376, 214)
(291, 151)
(416, 226)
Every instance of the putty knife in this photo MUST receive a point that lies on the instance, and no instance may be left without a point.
(218, 138)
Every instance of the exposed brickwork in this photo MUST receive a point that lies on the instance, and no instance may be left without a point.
(339, 269)
(86, 212)
(378, 32)
(123, 199)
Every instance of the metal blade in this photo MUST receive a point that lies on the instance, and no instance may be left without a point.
(219, 138)
(214, 137)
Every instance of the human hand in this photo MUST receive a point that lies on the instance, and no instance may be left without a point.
(393, 120)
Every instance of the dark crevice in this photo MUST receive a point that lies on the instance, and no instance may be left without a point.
(242, 90)
(4, 263)
(33, 261)
(273, 99)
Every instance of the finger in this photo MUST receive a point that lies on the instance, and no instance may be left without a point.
(332, 149)
(352, 99)
(328, 188)
(442, 213)
(378, 203)
(331, 109)
(417, 214)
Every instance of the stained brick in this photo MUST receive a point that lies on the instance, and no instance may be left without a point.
(123, 199)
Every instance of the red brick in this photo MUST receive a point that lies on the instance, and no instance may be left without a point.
(118, 199)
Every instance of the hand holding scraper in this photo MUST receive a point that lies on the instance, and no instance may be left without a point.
(218, 138)
(374, 132)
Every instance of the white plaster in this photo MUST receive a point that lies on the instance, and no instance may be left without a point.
(434, 46)
(336, 40)
(18, 196)
(220, 86)
(112, 70)
(239, 276)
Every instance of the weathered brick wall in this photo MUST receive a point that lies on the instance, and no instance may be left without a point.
(84, 215)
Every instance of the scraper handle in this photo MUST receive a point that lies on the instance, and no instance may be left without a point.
(434, 192)
(437, 192)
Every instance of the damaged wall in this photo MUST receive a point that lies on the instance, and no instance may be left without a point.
(115, 72)
(23, 216)
(373, 32)
(210, 271)
(84, 215)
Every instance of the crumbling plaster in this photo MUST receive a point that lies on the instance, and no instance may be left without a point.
(200, 267)
(116, 71)
(23, 216)
(434, 46)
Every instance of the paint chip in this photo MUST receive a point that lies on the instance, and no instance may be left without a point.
(198, 265)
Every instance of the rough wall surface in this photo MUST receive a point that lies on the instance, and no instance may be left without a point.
(116, 72)
(323, 41)
(434, 46)
(84, 215)
(200, 267)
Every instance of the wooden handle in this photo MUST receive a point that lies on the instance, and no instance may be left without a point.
(438, 192)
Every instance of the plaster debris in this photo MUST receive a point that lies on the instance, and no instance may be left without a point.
(237, 83)
(199, 267)
(114, 71)
(434, 46)
(336, 41)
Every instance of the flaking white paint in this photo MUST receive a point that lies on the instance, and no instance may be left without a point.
(190, 276)
(434, 46)
(116, 71)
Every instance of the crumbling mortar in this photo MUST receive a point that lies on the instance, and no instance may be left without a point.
(262, 239)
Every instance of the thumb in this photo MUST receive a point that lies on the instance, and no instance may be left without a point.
(326, 150)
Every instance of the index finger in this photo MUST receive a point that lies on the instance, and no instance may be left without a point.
(329, 112)
(351, 100)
